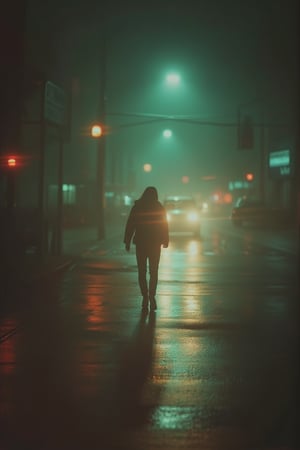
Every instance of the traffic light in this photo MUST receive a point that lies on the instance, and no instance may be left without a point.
(11, 162)
(249, 176)
(9, 165)
(245, 133)
(96, 131)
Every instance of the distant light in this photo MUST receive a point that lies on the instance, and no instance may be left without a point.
(68, 187)
(127, 200)
(96, 131)
(167, 133)
(185, 179)
(227, 198)
(173, 79)
(280, 158)
(11, 162)
(249, 176)
(147, 167)
(192, 216)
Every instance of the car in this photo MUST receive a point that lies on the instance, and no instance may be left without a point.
(251, 211)
(183, 214)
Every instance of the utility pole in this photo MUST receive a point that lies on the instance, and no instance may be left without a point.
(100, 180)
(262, 158)
(246, 126)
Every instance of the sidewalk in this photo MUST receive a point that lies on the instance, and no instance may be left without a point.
(29, 268)
(286, 240)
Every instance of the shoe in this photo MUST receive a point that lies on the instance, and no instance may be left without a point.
(153, 305)
(145, 303)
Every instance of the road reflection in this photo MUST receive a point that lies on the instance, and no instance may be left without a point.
(7, 347)
(136, 373)
(93, 310)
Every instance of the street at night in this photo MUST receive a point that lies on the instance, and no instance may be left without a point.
(215, 367)
(149, 225)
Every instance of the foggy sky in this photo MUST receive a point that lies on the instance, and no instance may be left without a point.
(227, 52)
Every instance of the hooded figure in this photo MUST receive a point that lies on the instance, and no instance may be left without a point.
(147, 227)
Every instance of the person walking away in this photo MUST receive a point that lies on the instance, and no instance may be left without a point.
(147, 228)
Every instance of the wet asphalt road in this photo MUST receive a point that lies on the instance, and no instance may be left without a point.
(214, 368)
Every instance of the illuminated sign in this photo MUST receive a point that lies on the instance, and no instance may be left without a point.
(280, 163)
(238, 184)
(281, 158)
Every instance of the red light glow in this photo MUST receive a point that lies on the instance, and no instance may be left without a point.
(185, 179)
(11, 162)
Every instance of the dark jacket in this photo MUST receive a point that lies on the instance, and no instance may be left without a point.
(147, 223)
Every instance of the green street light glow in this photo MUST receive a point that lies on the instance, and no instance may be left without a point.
(173, 79)
(167, 133)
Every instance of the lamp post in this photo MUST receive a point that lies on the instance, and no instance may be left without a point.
(98, 132)
(173, 79)
(167, 134)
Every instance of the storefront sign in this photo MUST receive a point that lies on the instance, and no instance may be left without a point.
(280, 163)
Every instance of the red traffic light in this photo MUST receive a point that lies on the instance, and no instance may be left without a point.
(249, 176)
(11, 161)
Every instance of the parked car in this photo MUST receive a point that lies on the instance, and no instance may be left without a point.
(255, 212)
(183, 214)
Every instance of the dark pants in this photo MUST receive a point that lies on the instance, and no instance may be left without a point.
(148, 253)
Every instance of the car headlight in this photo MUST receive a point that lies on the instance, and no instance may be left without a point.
(192, 216)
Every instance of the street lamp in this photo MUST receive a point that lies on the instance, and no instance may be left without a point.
(147, 167)
(173, 79)
(96, 131)
(167, 134)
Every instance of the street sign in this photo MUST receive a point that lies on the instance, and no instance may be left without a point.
(238, 184)
(55, 104)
